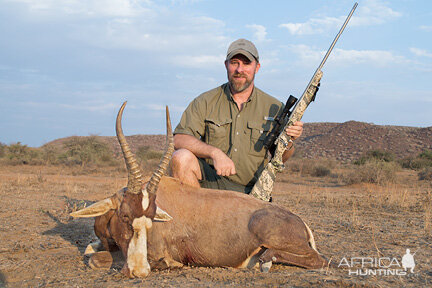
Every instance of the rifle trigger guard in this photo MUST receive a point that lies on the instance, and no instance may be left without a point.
(285, 143)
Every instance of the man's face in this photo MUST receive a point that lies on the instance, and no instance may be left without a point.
(241, 72)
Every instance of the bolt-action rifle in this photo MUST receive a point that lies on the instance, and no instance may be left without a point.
(277, 141)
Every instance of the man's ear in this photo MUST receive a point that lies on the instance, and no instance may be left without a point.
(258, 66)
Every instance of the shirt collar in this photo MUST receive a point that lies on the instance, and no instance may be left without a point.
(227, 92)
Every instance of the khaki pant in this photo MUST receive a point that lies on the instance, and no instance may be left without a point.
(213, 181)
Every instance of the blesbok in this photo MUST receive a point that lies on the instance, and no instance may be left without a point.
(163, 223)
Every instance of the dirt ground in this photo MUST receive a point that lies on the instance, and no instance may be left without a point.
(41, 246)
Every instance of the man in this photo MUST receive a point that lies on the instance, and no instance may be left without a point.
(219, 140)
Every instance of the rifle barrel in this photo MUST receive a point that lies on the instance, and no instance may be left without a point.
(331, 46)
(337, 37)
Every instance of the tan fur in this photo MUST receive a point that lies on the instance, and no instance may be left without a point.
(218, 228)
(205, 227)
(208, 228)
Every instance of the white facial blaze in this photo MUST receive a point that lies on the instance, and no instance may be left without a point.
(145, 199)
(137, 252)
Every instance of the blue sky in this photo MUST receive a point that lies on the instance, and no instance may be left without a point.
(67, 65)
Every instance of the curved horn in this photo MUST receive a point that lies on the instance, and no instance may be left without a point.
(163, 165)
(135, 175)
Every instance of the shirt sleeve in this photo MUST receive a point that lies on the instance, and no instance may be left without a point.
(192, 121)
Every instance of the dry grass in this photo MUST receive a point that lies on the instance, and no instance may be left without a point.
(43, 246)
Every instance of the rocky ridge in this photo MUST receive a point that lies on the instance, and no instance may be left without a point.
(341, 141)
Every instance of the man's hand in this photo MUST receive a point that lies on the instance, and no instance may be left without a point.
(222, 163)
(295, 130)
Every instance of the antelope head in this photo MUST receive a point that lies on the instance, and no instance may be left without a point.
(134, 206)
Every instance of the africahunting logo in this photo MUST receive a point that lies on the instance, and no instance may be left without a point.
(379, 266)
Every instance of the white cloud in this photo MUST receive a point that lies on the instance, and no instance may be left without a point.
(164, 32)
(372, 12)
(92, 107)
(199, 61)
(420, 52)
(92, 8)
(260, 32)
(140, 26)
(372, 57)
(185, 2)
(172, 108)
(426, 28)
(131, 24)
(306, 53)
(313, 26)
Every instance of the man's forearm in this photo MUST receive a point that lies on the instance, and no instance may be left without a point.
(288, 153)
(196, 146)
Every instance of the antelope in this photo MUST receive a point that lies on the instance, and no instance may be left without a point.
(163, 223)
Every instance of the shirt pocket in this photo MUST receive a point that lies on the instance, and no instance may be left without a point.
(218, 133)
(258, 133)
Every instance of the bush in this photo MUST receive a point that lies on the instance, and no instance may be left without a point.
(320, 171)
(373, 155)
(18, 153)
(315, 168)
(144, 153)
(379, 172)
(86, 151)
(421, 161)
(425, 174)
(427, 154)
(2, 150)
(49, 155)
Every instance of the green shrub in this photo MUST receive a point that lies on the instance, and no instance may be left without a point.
(379, 172)
(311, 167)
(421, 161)
(2, 150)
(18, 153)
(320, 171)
(49, 155)
(427, 154)
(86, 151)
(373, 155)
(425, 174)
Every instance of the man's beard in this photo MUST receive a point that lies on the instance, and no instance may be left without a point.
(237, 87)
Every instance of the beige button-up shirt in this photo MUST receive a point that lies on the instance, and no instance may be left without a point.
(215, 118)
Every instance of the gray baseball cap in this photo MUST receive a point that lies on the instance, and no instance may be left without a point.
(244, 47)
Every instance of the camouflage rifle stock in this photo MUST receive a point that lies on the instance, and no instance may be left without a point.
(264, 185)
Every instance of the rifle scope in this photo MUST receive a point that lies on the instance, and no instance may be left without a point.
(279, 122)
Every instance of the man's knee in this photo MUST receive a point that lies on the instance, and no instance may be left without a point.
(184, 159)
(185, 166)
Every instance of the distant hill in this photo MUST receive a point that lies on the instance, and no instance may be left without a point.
(341, 141)
(349, 140)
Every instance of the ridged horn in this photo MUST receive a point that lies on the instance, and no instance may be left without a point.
(135, 174)
(163, 165)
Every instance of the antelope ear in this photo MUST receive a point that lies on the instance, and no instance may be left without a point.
(96, 209)
(161, 215)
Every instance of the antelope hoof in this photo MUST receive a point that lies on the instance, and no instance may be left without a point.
(101, 260)
(265, 267)
(93, 248)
